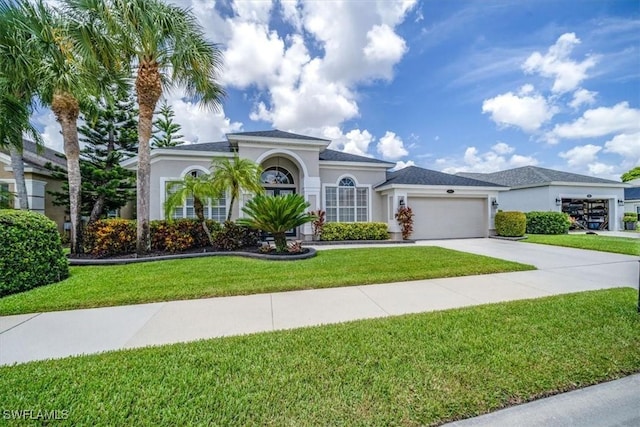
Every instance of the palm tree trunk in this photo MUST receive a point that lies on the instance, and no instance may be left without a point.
(148, 89)
(198, 206)
(280, 241)
(66, 108)
(18, 173)
(96, 212)
(233, 199)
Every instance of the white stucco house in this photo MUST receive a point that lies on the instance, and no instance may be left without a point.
(594, 203)
(348, 187)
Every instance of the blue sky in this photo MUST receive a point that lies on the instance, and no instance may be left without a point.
(447, 85)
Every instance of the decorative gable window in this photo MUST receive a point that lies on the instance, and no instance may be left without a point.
(347, 202)
(215, 209)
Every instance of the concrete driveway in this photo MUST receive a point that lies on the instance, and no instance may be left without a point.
(560, 270)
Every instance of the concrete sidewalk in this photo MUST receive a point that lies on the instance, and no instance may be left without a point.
(615, 403)
(30, 337)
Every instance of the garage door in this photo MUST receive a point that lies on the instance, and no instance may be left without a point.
(448, 218)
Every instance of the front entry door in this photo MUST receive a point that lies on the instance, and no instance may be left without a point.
(273, 191)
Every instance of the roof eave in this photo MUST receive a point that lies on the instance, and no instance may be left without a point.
(385, 186)
(323, 143)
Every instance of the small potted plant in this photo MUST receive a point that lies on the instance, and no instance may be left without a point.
(404, 216)
(630, 220)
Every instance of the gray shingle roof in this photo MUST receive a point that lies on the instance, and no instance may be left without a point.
(339, 156)
(275, 133)
(414, 175)
(35, 157)
(220, 146)
(534, 175)
(632, 193)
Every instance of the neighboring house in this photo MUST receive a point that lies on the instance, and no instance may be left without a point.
(348, 187)
(594, 203)
(38, 180)
(632, 197)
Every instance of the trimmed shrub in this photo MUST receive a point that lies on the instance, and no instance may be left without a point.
(113, 237)
(233, 237)
(511, 224)
(30, 252)
(110, 237)
(335, 231)
(181, 234)
(630, 217)
(547, 222)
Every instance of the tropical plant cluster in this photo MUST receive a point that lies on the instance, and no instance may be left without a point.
(547, 222)
(510, 223)
(30, 252)
(334, 231)
(404, 216)
(276, 215)
(117, 237)
(70, 55)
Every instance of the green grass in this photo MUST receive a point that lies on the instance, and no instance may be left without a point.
(619, 245)
(100, 286)
(409, 370)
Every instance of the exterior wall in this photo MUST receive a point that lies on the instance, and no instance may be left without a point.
(544, 199)
(331, 175)
(37, 187)
(164, 170)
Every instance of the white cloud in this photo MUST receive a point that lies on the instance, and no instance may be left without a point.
(526, 110)
(355, 141)
(51, 131)
(603, 170)
(600, 122)
(556, 64)
(491, 161)
(625, 145)
(253, 10)
(391, 147)
(384, 49)
(582, 97)
(503, 148)
(581, 155)
(401, 165)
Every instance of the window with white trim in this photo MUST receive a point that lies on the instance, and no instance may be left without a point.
(6, 199)
(215, 209)
(347, 202)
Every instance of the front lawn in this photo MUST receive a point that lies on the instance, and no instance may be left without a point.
(409, 370)
(619, 245)
(101, 286)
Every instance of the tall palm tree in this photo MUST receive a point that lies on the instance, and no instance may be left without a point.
(276, 215)
(198, 187)
(167, 46)
(71, 52)
(18, 65)
(235, 175)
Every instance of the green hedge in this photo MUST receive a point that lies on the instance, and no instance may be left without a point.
(511, 224)
(630, 217)
(30, 252)
(547, 222)
(335, 231)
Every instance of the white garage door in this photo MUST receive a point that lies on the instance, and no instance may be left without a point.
(448, 218)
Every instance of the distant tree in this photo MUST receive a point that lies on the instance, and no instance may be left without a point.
(166, 130)
(110, 135)
(631, 174)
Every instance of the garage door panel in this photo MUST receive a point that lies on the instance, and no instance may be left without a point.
(448, 218)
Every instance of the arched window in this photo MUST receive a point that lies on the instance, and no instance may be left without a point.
(276, 176)
(215, 209)
(346, 202)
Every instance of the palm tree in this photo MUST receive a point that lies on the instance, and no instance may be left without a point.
(167, 46)
(18, 64)
(71, 52)
(276, 215)
(198, 187)
(236, 175)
